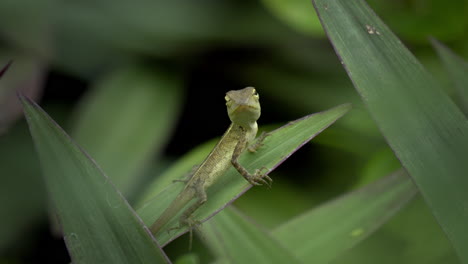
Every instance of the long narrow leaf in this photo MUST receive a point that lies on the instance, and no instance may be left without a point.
(129, 124)
(236, 238)
(425, 129)
(276, 148)
(458, 72)
(98, 224)
(19, 211)
(321, 234)
(179, 171)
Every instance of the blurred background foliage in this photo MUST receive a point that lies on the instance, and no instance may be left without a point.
(139, 83)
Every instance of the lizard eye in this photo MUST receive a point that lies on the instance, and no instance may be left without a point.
(227, 98)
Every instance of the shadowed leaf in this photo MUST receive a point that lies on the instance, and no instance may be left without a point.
(98, 224)
(425, 129)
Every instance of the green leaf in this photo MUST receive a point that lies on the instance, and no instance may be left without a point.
(414, 21)
(382, 162)
(20, 213)
(411, 236)
(188, 259)
(321, 234)
(276, 148)
(98, 224)
(296, 13)
(234, 237)
(458, 72)
(176, 172)
(131, 112)
(425, 129)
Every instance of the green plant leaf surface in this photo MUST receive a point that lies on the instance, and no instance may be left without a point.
(179, 171)
(190, 258)
(425, 129)
(237, 239)
(321, 234)
(131, 112)
(20, 213)
(415, 21)
(278, 146)
(98, 224)
(296, 13)
(458, 72)
(411, 236)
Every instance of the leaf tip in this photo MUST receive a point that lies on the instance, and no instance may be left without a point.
(5, 68)
(436, 43)
(346, 107)
(23, 99)
(27, 102)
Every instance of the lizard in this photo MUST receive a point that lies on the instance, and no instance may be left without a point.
(243, 107)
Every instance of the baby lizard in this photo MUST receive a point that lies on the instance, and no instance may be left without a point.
(243, 108)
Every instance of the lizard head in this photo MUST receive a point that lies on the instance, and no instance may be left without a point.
(243, 106)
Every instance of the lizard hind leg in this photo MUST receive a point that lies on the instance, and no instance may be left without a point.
(186, 217)
(192, 225)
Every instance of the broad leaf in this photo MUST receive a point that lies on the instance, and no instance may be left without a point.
(234, 237)
(98, 224)
(131, 112)
(322, 234)
(276, 148)
(425, 129)
(458, 72)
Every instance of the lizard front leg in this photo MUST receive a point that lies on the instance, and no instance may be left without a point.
(255, 179)
(258, 142)
(188, 175)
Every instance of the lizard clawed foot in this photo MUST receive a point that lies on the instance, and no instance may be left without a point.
(187, 222)
(173, 228)
(259, 178)
(192, 224)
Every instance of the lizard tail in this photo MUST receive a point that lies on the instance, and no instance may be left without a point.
(172, 210)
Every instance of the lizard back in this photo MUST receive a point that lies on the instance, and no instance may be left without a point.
(219, 159)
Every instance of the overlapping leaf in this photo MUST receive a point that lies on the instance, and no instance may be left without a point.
(98, 224)
(322, 234)
(276, 148)
(425, 129)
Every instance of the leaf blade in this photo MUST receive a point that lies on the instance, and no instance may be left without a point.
(129, 125)
(235, 237)
(98, 223)
(457, 69)
(276, 148)
(425, 129)
(321, 234)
